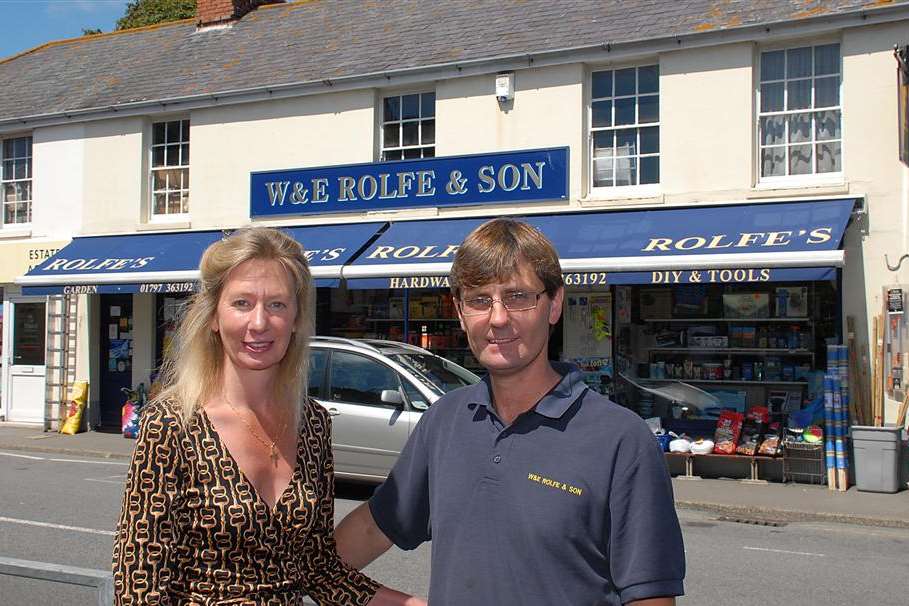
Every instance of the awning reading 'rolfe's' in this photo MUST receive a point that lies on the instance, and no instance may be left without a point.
(746, 242)
(169, 263)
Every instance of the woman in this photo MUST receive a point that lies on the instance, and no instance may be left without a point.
(230, 496)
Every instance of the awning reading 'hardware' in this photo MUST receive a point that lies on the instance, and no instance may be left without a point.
(746, 242)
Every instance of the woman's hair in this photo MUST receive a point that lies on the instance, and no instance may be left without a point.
(492, 252)
(192, 369)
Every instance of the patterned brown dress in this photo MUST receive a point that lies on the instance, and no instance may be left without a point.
(194, 532)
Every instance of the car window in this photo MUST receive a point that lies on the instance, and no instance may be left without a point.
(417, 400)
(317, 361)
(360, 380)
(438, 374)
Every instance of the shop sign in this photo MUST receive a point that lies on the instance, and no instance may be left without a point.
(574, 280)
(21, 257)
(167, 288)
(723, 276)
(519, 176)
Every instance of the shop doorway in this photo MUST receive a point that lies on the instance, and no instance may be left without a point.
(25, 331)
(116, 352)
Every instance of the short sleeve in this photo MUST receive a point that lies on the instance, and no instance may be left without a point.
(646, 552)
(400, 506)
(145, 532)
(327, 578)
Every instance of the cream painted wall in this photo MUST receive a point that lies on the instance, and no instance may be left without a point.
(546, 112)
(113, 178)
(230, 142)
(706, 124)
(57, 170)
(872, 167)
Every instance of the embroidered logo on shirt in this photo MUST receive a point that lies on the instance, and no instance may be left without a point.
(543, 480)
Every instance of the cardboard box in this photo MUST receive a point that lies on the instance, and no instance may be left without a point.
(656, 303)
(752, 305)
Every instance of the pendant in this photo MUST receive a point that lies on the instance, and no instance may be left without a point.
(273, 453)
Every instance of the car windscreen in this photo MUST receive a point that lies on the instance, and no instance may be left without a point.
(438, 374)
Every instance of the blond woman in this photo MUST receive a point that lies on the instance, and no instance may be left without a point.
(230, 497)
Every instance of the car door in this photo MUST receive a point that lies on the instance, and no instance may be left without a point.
(367, 433)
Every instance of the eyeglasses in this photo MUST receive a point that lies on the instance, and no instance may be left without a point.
(513, 301)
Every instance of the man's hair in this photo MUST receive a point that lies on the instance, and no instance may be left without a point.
(193, 365)
(492, 252)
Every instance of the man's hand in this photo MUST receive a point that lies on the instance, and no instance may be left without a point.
(358, 538)
(653, 602)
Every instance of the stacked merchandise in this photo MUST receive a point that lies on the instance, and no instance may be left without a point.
(836, 405)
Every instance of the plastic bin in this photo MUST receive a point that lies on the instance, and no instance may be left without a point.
(877, 458)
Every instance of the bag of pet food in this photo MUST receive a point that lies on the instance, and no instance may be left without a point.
(770, 447)
(75, 409)
(728, 428)
(753, 430)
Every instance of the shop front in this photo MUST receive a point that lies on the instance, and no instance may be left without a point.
(22, 333)
(136, 285)
(738, 301)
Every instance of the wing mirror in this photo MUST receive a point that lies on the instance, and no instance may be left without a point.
(392, 396)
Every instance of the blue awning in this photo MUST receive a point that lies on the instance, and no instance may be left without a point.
(169, 262)
(775, 241)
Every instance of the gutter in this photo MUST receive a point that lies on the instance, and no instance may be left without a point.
(599, 53)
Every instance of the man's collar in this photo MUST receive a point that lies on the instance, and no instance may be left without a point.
(553, 405)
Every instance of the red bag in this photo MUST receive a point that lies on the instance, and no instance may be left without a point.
(728, 427)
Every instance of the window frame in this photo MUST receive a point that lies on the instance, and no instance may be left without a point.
(621, 191)
(814, 177)
(168, 217)
(29, 179)
(381, 123)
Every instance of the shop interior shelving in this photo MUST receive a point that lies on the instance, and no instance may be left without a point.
(730, 320)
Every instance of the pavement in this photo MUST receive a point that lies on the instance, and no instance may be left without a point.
(769, 503)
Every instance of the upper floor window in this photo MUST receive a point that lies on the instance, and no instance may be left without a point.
(16, 180)
(170, 168)
(800, 112)
(625, 126)
(409, 126)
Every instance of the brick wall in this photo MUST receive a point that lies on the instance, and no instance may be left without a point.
(210, 12)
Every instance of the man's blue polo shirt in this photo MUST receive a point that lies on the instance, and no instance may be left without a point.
(570, 504)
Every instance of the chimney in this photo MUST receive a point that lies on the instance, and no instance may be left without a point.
(218, 12)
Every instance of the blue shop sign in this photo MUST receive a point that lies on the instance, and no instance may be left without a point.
(520, 176)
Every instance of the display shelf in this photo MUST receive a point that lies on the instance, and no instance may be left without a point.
(734, 350)
(399, 320)
(736, 320)
(726, 381)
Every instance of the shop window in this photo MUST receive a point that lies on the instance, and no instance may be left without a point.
(170, 169)
(357, 379)
(16, 180)
(625, 126)
(800, 113)
(409, 126)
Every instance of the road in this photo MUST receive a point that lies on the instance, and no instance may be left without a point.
(63, 510)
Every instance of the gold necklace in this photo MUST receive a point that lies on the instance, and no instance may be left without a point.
(272, 450)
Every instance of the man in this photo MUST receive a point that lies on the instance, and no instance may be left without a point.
(534, 489)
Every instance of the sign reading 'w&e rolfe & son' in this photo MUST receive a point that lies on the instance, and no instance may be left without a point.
(522, 176)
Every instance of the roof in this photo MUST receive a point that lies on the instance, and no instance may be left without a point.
(327, 39)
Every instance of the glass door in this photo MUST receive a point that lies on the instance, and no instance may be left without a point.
(24, 391)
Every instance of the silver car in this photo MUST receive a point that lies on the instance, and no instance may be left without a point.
(376, 392)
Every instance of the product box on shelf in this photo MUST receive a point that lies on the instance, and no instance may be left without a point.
(791, 301)
(751, 305)
(656, 303)
(395, 308)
